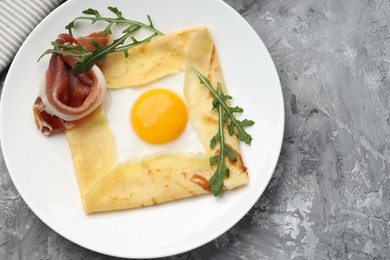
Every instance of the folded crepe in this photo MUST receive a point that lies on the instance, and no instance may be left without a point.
(106, 184)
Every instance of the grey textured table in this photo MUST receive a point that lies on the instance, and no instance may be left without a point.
(330, 194)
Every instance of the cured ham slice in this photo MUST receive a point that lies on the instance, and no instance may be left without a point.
(66, 98)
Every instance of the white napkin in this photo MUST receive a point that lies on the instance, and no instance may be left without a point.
(17, 19)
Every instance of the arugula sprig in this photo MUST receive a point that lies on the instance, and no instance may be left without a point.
(88, 58)
(225, 116)
(94, 16)
(222, 171)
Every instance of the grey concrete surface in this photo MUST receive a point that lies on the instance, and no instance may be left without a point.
(329, 197)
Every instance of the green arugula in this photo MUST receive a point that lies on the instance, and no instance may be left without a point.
(225, 116)
(88, 58)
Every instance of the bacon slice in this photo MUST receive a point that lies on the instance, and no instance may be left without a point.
(86, 41)
(67, 98)
(46, 123)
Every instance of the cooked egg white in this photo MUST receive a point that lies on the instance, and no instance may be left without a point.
(118, 106)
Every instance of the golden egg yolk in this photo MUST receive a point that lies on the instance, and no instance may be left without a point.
(159, 116)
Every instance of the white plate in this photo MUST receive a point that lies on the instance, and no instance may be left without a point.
(42, 170)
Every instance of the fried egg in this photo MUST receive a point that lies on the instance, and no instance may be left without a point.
(152, 118)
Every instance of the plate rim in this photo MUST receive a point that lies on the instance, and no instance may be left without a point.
(42, 216)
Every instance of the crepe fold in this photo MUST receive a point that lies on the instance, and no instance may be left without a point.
(106, 184)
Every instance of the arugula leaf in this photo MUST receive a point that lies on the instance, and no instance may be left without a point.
(88, 58)
(86, 62)
(234, 125)
(91, 11)
(94, 16)
(225, 116)
(216, 181)
(116, 11)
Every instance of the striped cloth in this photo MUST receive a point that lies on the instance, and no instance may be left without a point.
(17, 19)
